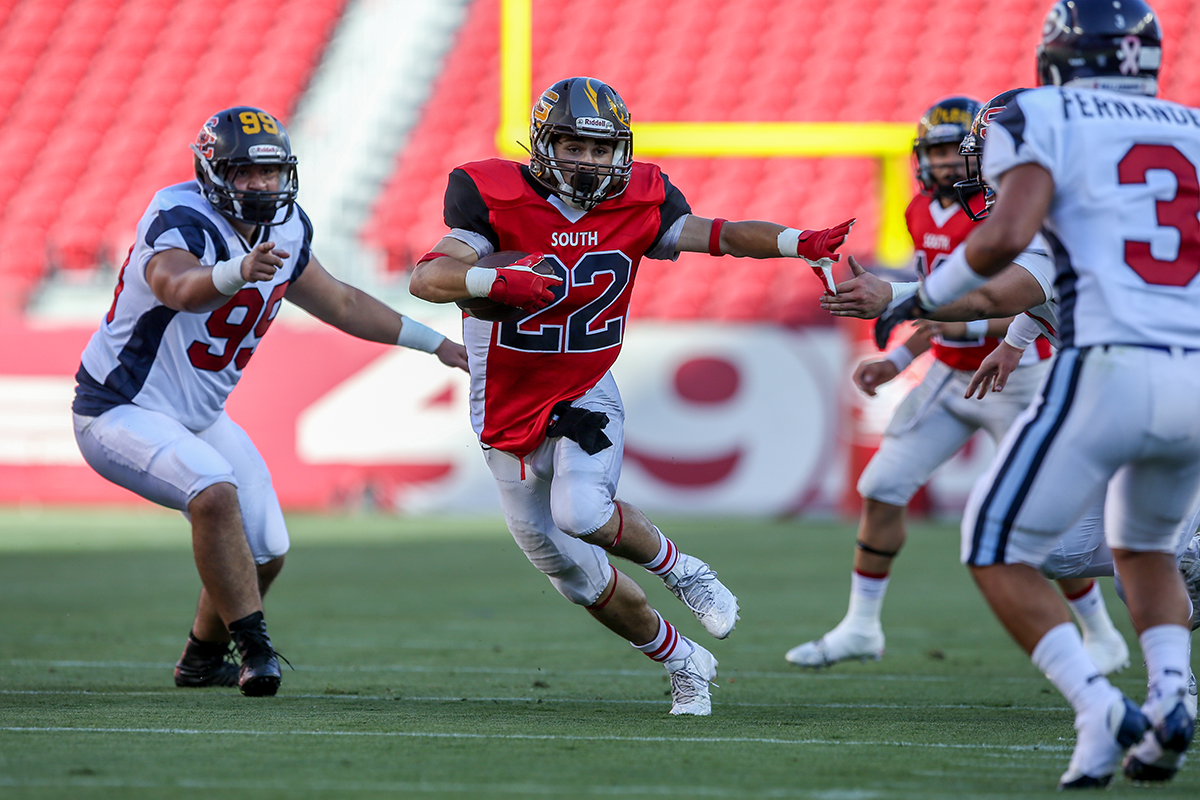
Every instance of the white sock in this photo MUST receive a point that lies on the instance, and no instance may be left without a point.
(866, 598)
(667, 644)
(1061, 658)
(667, 558)
(1092, 614)
(1166, 650)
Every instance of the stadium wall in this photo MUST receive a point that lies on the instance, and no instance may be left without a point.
(722, 419)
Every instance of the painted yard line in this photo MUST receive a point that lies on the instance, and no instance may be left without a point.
(538, 671)
(588, 700)
(543, 737)
(429, 787)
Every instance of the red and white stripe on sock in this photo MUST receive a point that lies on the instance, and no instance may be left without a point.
(667, 558)
(667, 645)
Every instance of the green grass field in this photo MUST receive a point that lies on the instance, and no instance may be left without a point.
(432, 661)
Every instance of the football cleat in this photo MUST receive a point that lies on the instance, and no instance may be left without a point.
(259, 675)
(1108, 652)
(689, 682)
(840, 644)
(206, 664)
(696, 584)
(1101, 741)
(1163, 748)
(1189, 567)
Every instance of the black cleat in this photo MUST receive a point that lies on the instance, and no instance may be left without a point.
(206, 664)
(259, 675)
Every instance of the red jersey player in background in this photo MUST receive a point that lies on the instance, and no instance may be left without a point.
(543, 401)
(936, 418)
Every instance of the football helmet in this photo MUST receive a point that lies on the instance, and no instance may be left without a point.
(972, 150)
(1101, 44)
(239, 136)
(585, 108)
(945, 122)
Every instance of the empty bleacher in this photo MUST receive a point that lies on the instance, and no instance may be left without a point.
(98, 99)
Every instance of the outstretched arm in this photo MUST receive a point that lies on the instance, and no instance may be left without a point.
(359, 314)
(755, 239)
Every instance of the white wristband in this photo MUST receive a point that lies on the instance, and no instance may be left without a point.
(901, 357)
(951, 279)
(977, 329)
(227, 276)
(419, 337)
(901, 290)
(789, 242)
(480, 280)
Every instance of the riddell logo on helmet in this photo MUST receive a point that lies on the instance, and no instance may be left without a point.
(595, 125)
(266, 152)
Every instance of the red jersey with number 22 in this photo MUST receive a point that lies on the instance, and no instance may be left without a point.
(932, 242)
(520, 369)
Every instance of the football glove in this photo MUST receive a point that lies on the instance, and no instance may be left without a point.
(580, 425)
(519, 285)
(901, 310)
(817, 248)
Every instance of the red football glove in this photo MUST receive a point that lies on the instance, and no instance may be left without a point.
(816, 245)
(518, 285)
(817, 248)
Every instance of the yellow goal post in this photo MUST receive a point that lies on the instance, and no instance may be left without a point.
(890, 143)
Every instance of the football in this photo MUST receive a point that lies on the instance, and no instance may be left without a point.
(489, 310)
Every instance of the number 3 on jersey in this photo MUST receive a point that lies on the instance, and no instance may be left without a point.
(593, 326)
(1178, 213)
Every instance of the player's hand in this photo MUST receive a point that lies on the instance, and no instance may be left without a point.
(262, 262)
(870, 375)
(452, 354)
(864, 296)
(518, 285)
(993, 372)
(911, 307)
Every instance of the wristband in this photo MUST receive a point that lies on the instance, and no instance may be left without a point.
(902, 289)
(977, 329)
(416, 336)
(951, 280)
(714, 238)
(1013, 344)
(430, 256)
(479, 281)
(788, 242)
(227, 276)
(901, 357)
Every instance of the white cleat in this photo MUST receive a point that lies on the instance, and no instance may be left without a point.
(1102, 738)
(696, 584)
(840, 644)
(1189, 567)
(689, 682)
(1108, 652)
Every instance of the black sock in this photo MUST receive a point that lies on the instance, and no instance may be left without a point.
(250, 622)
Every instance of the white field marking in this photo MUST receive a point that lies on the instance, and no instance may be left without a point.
(797, 674)
(543, 737)
(372, 698)
(342, 787)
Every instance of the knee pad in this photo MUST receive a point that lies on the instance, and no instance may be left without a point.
(578, 586)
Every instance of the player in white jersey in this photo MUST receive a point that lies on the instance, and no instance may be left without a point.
(213, 260)
(1111, 174)
(936, 419)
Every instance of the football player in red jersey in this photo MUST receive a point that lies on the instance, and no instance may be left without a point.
(543, 401)
(936, 419)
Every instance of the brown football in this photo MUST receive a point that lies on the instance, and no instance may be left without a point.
(489, 310)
